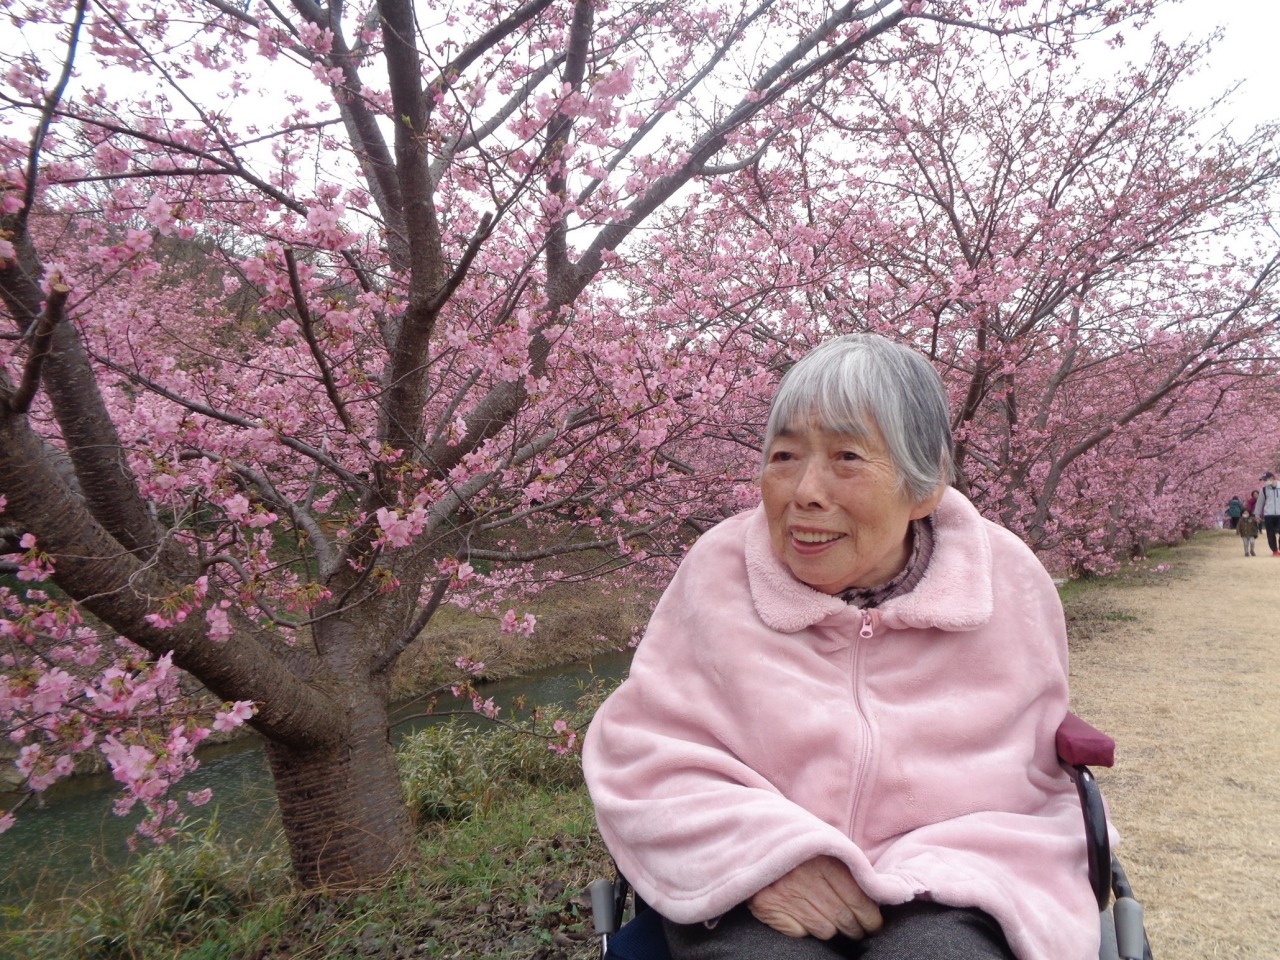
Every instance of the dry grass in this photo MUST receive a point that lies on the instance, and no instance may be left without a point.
(575, 623)
(1184, 674)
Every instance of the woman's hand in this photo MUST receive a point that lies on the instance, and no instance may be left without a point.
(818, 898)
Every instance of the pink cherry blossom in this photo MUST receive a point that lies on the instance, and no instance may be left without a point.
(235, 716)
(429, 320)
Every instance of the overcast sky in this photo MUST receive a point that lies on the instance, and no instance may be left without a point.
(1249, 51)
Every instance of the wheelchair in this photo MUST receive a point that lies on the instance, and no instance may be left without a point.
(629, 930)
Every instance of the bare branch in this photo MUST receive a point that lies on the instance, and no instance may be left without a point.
(47, 112)
(783, 76)
(403, 641)
(557, 134)
(499, 31)
(307, 324)
(478, 135)
(326, 556)
(41, 343)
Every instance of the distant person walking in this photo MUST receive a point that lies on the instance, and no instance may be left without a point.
(1269, 510)
(1248, 530)
(1234, 509)
(1252, 503)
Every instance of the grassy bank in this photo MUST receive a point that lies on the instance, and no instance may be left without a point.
(506, 847)
(505, 883)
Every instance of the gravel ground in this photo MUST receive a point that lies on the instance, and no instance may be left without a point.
(1181, 667)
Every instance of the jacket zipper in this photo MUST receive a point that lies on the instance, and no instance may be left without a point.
(866, 632)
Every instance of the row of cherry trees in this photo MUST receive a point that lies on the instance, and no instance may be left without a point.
(325, 315)
(1093, 272)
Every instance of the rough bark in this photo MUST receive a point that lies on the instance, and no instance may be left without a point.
(342, 806)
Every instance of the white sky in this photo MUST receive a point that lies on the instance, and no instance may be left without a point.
(1248, 53)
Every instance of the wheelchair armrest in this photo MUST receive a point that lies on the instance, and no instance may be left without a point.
(1079, 744)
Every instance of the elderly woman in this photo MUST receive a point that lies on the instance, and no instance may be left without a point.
(837, 736)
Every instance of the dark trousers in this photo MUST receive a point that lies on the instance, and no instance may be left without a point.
(912, 931)
(1272, 523)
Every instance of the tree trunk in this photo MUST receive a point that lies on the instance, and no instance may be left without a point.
(343, 807)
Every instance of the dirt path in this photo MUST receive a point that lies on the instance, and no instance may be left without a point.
(1185, 673)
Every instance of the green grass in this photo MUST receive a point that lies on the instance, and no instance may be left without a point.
(507, 845)
(512, 880)
(166, 903)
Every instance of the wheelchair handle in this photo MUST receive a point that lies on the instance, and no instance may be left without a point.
(1131, 939)
(602, 912)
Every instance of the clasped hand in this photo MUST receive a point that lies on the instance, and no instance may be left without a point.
(818, 898)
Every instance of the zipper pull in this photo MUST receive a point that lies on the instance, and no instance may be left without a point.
(866, 632)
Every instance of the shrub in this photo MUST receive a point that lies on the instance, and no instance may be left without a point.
(454, 769)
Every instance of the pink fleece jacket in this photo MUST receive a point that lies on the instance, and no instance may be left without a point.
(764, 723)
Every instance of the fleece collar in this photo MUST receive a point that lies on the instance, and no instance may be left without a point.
(954, 594)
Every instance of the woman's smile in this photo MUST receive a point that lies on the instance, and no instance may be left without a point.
(815, 538)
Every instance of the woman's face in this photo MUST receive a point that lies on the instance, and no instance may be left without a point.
(837, 515)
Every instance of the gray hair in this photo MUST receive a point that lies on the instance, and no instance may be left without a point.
(861, 379)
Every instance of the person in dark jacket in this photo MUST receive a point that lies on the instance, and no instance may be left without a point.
(1234, 509)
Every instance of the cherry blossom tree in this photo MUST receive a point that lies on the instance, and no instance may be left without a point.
(1092, 268)
(319, 320)
(1107, 263)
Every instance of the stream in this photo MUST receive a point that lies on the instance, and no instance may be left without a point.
(73, 837)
